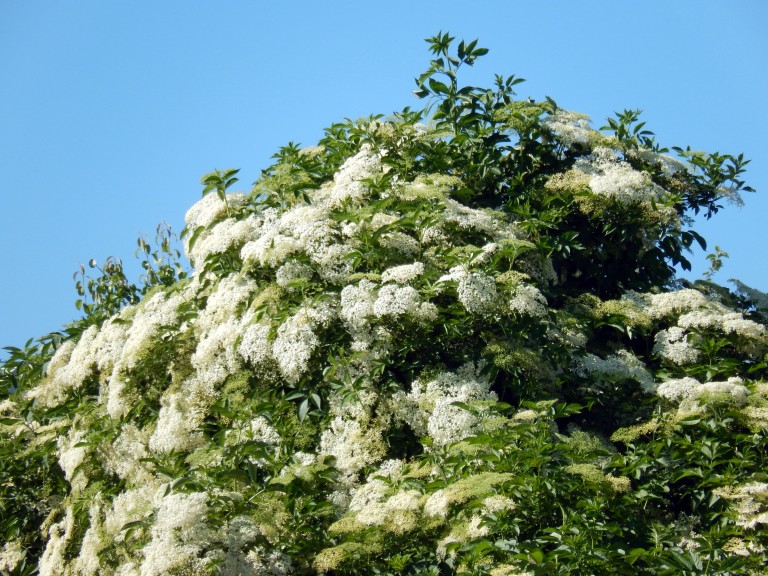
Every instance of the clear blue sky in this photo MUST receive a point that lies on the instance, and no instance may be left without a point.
(111, 111)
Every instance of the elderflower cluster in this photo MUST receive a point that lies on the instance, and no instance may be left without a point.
(614, 368)
(429, 408)
(178, 536)
(395, 301)
(11, 555)
(292, 272)
(354, 444)
(68, 370)
(223, 236)
(349, 184)
(59, 536)
(750, 503)
(692, 310)
(570, 127)
(672, 344)
(402, 274)
(303, 229)
(607, 176)
(296, 341)
(682, 389)
(210, 208)
(526, 300)
(476, 291)
(492, 224)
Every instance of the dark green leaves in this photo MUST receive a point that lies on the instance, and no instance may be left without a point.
(219, 180)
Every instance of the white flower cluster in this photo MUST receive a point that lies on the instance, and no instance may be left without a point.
(526, 300)
(87, 562)
(303, 229)
(570, 127)
(476, 290)
(666, 304)
(160, 309)
(292, 272)
(672, 344)
(59, 536)
(293, 347)
(354, 444)
(429, 407)
(400, 242)
(71, 455)
(178, 536)
(669, 166)
(751, 503)
(362, 304)
(11, 555)
(395, 301)
(218, 327)
(615, 368)
(396, 512)
(255, 345)
(490, 223)
(688, 391)
(615, 179)
(692, 310)
(348, 184)
(402, 274)
(126, 457)
(131, 506)
(226, 234)
(210, 208)
(717, 317)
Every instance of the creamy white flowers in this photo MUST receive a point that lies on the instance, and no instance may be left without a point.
(430, 407)
(319, 330)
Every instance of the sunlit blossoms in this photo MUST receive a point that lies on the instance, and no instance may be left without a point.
(448, 344)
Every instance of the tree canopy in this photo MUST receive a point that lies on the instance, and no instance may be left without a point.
(447, 341)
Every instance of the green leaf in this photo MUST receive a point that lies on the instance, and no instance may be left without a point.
(438, 87)
(303, 409)
(195, 235)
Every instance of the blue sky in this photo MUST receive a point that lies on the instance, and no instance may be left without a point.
(111, 111)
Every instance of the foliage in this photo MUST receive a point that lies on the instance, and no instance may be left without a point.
(450, 341)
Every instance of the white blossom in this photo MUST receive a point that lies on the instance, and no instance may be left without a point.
(292, 272)
(11, 554)
(232, 232)
(353, 444)
(294, 345)
(614, 368)
(348, 183)
(672, 344)
(94, 541)
(428, 408)
(682, 389)
(52, 562)
(526, 300)
(68, 370)
(400, 242)
(570, 127)
(402, 274)
(395, 301)
(210, 208)
(668, 303)
(255, 346)
(477, 292)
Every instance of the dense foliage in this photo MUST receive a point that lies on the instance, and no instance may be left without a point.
(450, 341)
